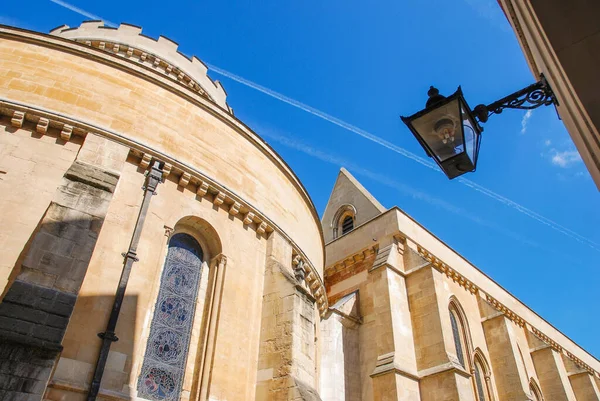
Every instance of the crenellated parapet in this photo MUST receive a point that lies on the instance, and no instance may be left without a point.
(161, 54)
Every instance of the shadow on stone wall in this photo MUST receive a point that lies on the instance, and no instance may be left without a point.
(77, 361)
(42, 300)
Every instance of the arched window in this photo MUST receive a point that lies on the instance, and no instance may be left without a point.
(535, 391)
(458, 334)
(479, 380)
(481, 372)
(163, 369)
(343, 221)
(347, 224)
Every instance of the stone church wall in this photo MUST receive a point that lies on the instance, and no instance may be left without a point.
(80, 126)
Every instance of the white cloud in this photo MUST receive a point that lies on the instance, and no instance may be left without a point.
(565, 158)
(489, 10)
(547, 142)
(524, 121)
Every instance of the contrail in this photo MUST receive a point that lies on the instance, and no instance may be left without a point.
(407, 190)
(83, 12)
(334, 120)
(367, 135)
(324, 116)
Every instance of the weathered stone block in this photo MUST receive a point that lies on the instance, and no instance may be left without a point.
(50, 334)
(56, 321)
(22, 313)
(14, 325)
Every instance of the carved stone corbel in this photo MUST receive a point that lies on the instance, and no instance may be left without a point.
(249, 218)
(235, 208)
(167, 170)
(65, 133)
(219, 199)
(184, 180)
(17, 119)
(262, 228)
(42, 125)
(145, 162)
(202, 189)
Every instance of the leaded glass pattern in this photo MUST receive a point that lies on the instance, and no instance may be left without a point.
(162, 372)
(457, 340)
(479, 382)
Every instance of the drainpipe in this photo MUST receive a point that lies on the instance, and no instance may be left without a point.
(153, 178)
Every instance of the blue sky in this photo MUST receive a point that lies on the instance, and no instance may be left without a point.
(366, 64)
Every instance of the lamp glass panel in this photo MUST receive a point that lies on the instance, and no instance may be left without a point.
(469, 128)
(440, 128)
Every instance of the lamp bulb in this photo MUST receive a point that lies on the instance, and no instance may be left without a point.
(445, 130)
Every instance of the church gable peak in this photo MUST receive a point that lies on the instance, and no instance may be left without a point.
(350, 205)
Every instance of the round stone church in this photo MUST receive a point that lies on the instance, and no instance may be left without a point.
(155, 248)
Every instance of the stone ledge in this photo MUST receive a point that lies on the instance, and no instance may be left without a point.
(78, 388)
(92, 176)
(393, 368)
(446, 367)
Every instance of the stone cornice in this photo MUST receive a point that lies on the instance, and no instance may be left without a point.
(513, 316)
(505, 311)
(314, 282)
(448, 271)
(581, 364)
(547, 340)
(350, 260)
(158, 78)
(202, 184)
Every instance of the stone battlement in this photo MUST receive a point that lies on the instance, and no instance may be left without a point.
(161, 53)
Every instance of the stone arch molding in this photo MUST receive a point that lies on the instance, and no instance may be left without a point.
(535, 390)
(162, 53)
(342, 212)
(203, 232)
(480, 357)
(455, 306)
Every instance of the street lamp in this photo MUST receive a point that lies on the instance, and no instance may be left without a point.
(450, 132)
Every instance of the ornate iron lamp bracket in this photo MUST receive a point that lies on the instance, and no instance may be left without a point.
(529, 98)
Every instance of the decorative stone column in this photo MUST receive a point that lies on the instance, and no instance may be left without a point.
(287, 355)
(213, 321)
(35, 311)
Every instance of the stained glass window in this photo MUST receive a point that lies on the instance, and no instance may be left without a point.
(479, 382)
(457, 339)
(162, 373)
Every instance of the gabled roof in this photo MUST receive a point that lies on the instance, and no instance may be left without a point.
(347, 191)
